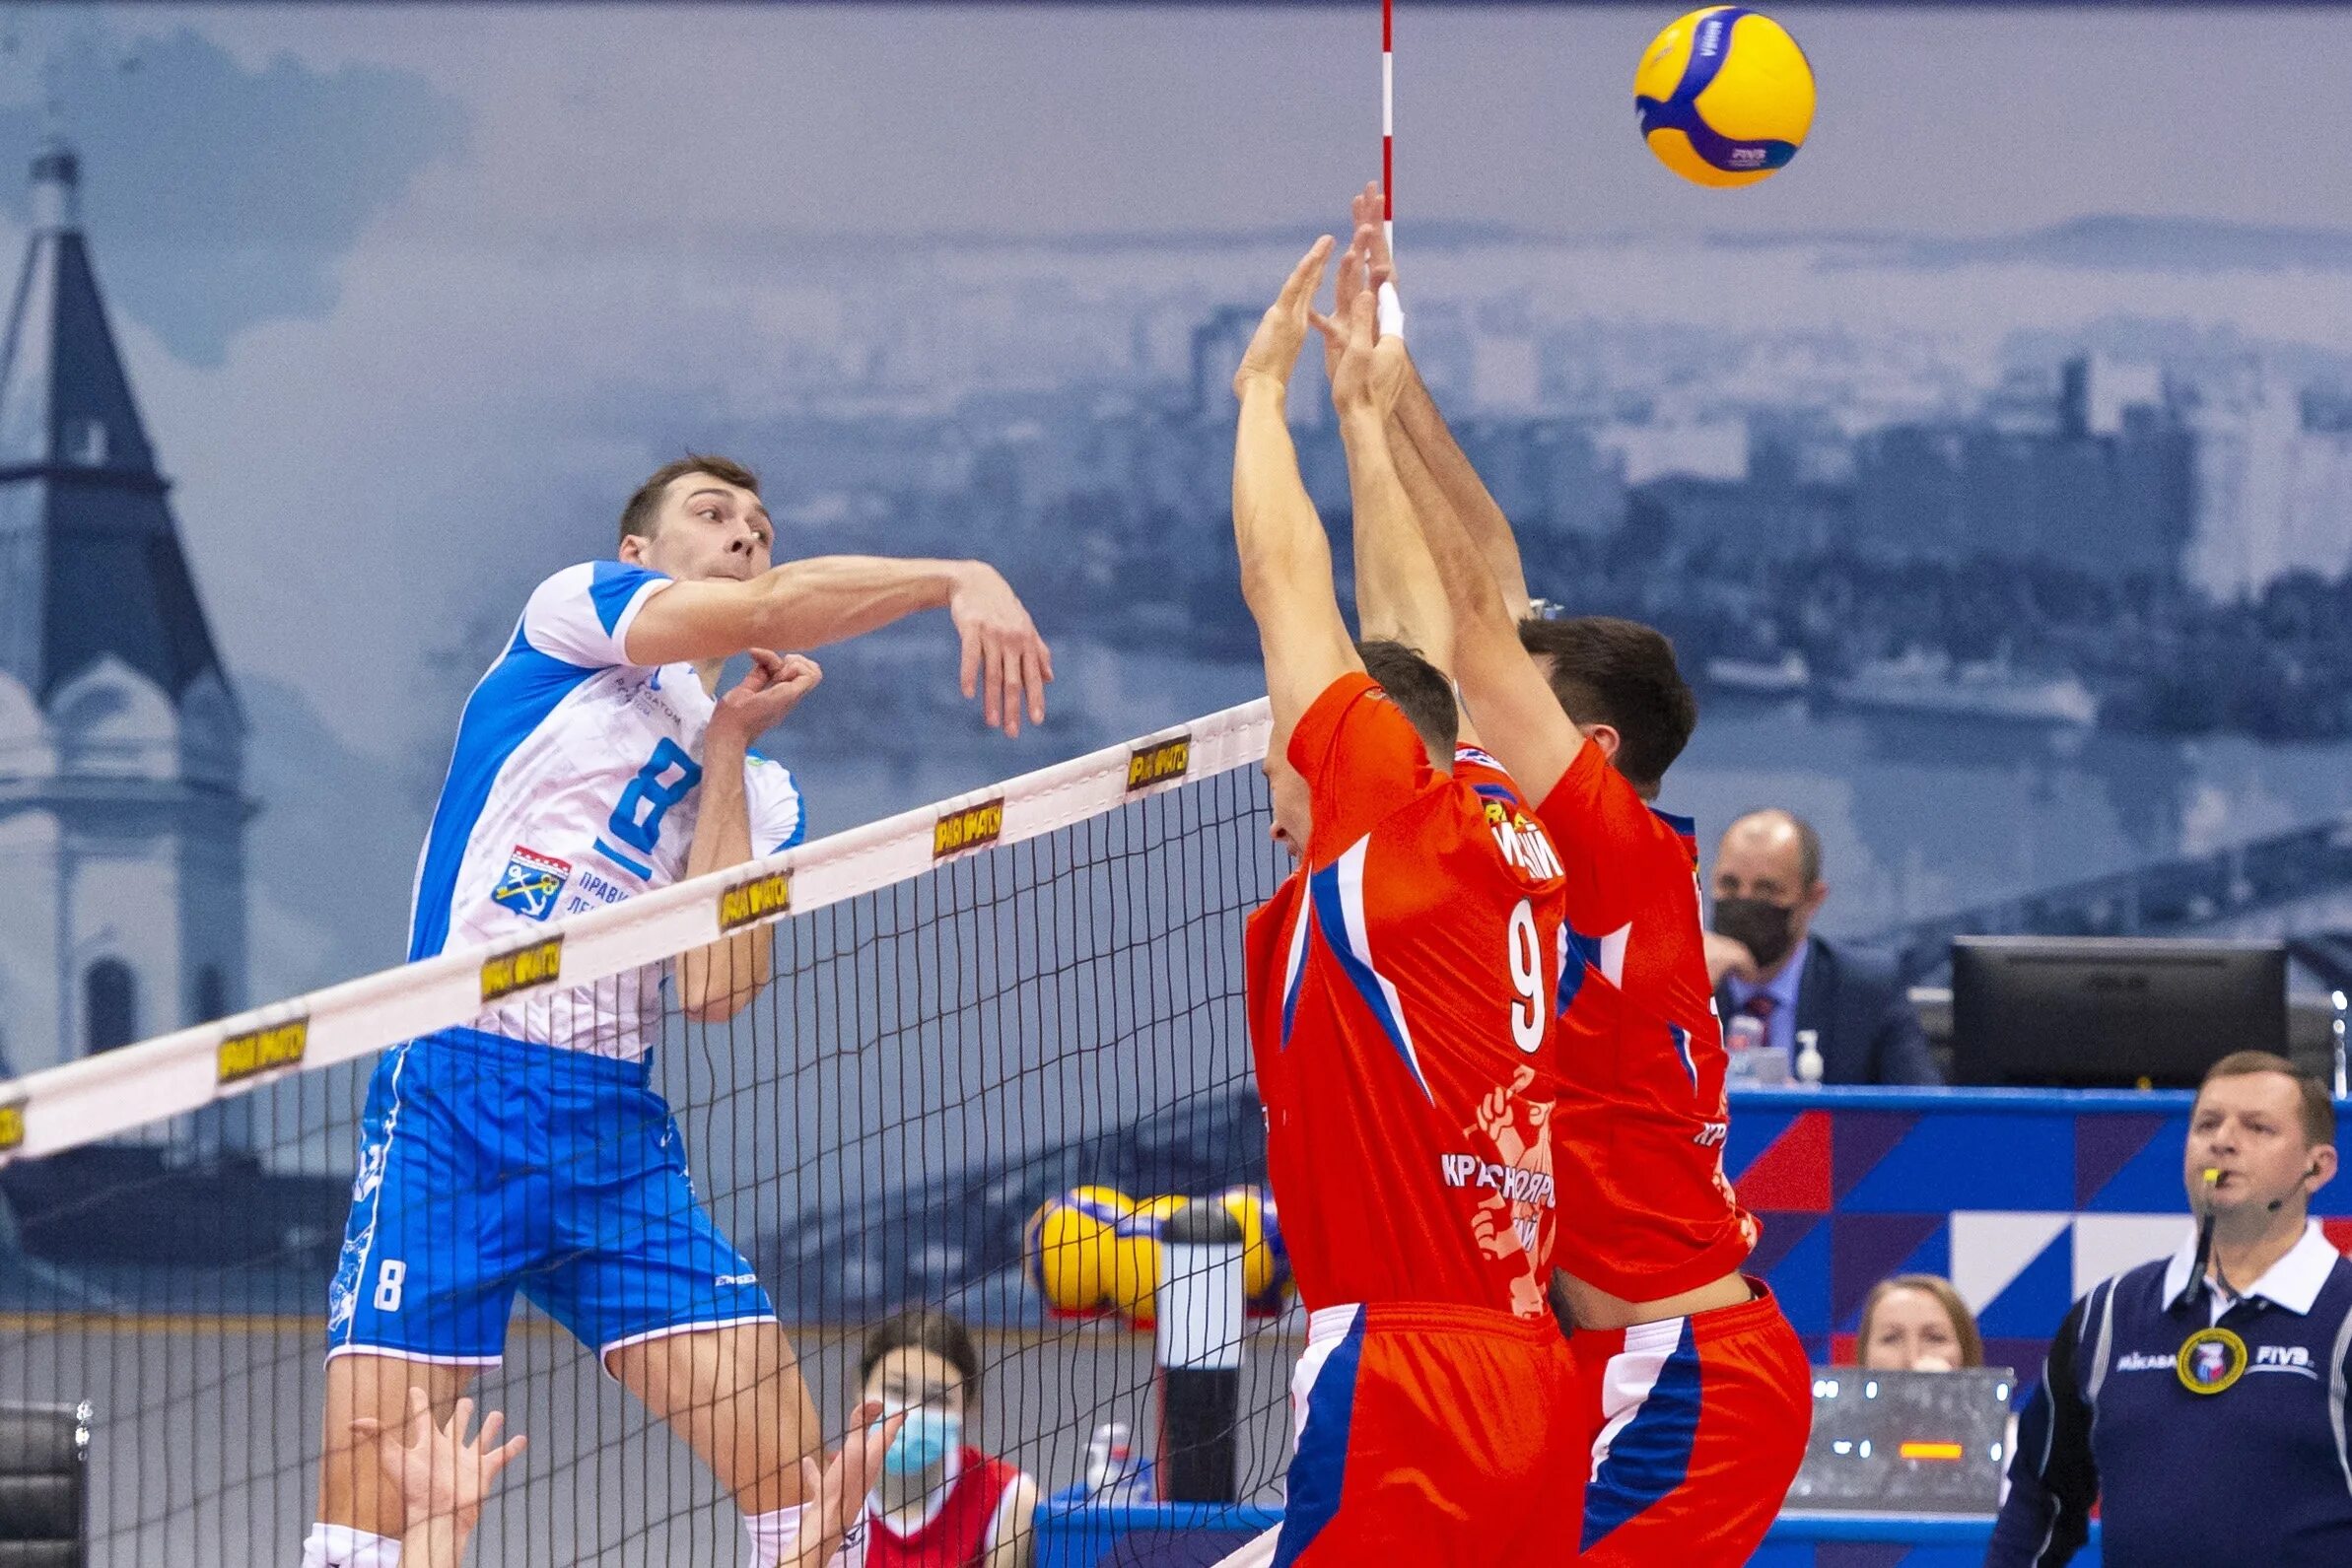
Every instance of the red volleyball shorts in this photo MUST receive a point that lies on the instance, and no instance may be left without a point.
(1426, 1436)
(1687, 1433)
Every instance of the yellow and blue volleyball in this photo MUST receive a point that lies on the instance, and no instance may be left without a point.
(1136, 1259)
(1069, 1247)
(1724, 97)
(1264, 1262)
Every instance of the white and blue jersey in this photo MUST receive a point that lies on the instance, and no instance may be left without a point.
(528, 1151)
(574, 784)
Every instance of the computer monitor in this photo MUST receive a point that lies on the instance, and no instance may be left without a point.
(1910, 1443)
(2115, 1011)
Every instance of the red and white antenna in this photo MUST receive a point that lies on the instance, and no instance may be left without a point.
(1388, 122)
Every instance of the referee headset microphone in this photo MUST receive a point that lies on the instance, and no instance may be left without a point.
(2308, 1172)
(2210, 1175)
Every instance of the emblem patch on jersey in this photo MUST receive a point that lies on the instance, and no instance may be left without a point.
(11, 1125)
(2210, 1360)
(532, 883)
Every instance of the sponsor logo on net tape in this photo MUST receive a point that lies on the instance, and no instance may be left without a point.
(1159, 763)
(260, 1051)
(967, 828)
(505, 974)
(749, 903)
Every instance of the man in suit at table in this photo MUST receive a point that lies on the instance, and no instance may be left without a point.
(1767, 962)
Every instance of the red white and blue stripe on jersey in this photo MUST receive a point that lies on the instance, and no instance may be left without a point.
(1336, 910)
(1581, 954)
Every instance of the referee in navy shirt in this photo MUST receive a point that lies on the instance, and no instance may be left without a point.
(2204, 1408)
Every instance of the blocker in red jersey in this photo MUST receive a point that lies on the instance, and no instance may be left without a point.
(1693, 1395)
(1401, 997)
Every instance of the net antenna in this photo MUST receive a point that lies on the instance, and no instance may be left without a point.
(1388, 122)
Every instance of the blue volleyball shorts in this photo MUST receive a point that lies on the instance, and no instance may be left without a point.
(491, 1165)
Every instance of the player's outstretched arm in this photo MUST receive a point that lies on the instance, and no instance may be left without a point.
(716, 982)
(1286, 558)
(1397, 594)
(1519, 720)
(1416, 416)
(804, 604)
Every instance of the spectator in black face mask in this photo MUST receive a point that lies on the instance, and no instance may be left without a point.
(1767, 962)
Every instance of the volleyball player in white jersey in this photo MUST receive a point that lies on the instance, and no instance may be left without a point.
(527, 1150)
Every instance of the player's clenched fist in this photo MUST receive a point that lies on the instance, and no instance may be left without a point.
(759, 701)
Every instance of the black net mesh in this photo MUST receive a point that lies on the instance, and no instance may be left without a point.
(933, 1062)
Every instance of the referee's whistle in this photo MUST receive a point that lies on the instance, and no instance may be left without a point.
(2212, 1174)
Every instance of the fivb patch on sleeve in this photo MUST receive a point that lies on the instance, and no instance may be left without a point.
(532, 883)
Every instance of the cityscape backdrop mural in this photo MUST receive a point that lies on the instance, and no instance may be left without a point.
(1991, 468)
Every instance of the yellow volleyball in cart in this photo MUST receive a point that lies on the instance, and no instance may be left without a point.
(1137, 1253)
(1069, 1247)
(1265, 1261)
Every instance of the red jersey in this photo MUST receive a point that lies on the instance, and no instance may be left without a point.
(1642, 1112)
(960, 1534)
(1400, 989)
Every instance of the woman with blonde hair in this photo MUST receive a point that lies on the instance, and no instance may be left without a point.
(1917, 1323)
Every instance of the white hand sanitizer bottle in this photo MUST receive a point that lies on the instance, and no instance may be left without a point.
(1809, 1063)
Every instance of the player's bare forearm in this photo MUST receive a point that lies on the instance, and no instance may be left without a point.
(801, 605)
(1285, 563)
(1417, 413)
(1398, 595)
(1518, 718)
(717, 980)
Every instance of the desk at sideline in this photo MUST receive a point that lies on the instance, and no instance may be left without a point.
(1072, 1533)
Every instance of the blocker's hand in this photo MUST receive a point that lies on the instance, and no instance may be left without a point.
(439, 1472)
(838, 1494)
(1371, 237)
(1368, 371)
(1282, 332)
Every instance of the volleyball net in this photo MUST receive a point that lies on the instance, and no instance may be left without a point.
(978, 1009)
